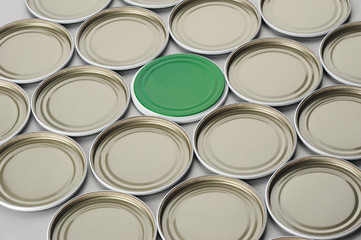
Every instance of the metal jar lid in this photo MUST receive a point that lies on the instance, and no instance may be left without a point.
(210, 208)
(316, 197)
(65, 11)
(213, 26)
(273, 71)
(33, 49)
(244, 140)
(121, 38)
(289, 238)
(40, 170)
(153, 3)
(341, 55)
(141, 155)
(103, 215)
(14, 108)
(306, 18)
(179, 87)
(80, 101)
(328, 121)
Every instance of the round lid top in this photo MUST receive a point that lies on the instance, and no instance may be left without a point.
(179, 85)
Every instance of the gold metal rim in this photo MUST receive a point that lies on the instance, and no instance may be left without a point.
(131, 200)
(212, 179)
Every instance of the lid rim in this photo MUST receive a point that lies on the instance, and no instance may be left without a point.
(230, 59)
(55, 137)
(302, 35)
(101, 193)
(155, 120)
(296, 162)
(209, 117)
(47, 23)
(153, 6)
(15, 88)
(139, 10)
(65, 21)
(216, 178)
(210, 52)
(324, 43)
(304, 103)
(89, 69)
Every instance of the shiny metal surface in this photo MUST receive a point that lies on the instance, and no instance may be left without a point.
(80, 101)
(244, 140)
(340, 52)
(12, 97)
(40, 170)
(328, 121)
(103, 215)
(273, 71)
(196, 210)
(153, 3)
(121, 38)
(33, 49)
(316, 197)
(65, 11)
(34, 225)
(290, 238)
(141, 155)
(213, 26)
(306, 18)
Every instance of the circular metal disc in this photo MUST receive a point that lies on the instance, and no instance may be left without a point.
(153, 3)
(273, 71)
(65, 11)
(340, 53)
(244, 140)
(39, 171)
(306, 18)
(179, 87)
(141, 155)
(290, 238)
(33, 49)
(14, 110)
(80, 101)
(121, 38)
(103, 215)
(212, 208)
(328, 121)
(316, 197)
(213, 26)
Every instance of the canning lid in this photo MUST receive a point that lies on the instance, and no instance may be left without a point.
(273, 71)
(153, 3)
(289, 238)
(65, 11)
(340, 53)
(328, 121)
(141, 155)
(120, 216)
(121, 38)
(15, 110)
(80, 101)
(33, 49)
(211, 207)
(213, 26)
(180, 87)
(244, 140)
(316, 197)
(306, 18)
(39, 171)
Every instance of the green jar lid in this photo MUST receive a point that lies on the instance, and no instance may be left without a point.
(179, 86)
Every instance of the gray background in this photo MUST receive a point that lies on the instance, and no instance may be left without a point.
(23, 225)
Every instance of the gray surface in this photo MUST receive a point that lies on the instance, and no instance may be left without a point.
(21, 225)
